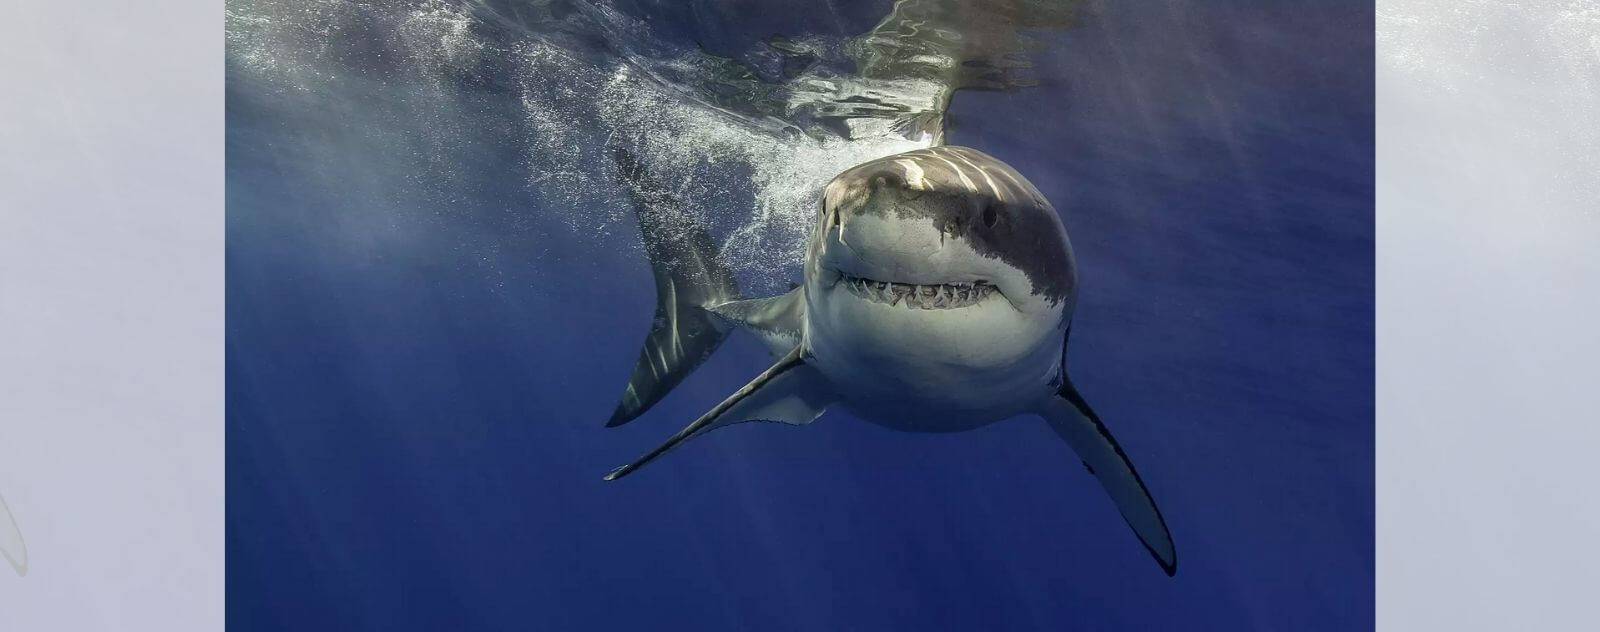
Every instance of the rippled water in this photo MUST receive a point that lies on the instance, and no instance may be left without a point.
(751, 138)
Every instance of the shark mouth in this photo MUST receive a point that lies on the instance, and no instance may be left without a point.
(941, 296)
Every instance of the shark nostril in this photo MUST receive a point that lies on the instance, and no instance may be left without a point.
(990, 216)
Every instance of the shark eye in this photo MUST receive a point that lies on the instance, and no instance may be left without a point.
(990, 216)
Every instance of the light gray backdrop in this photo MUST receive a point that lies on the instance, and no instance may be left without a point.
(111, 454)
(1488, 308)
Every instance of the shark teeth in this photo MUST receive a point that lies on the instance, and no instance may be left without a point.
(913, 296)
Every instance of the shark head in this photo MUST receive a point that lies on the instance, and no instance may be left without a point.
(939, 258)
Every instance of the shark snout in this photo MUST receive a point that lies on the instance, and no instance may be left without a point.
(891, 249)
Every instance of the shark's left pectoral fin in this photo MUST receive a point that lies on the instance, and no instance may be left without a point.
(11, 546)
(1070, 416)
(790, 392)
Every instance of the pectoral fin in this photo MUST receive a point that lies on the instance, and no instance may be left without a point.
(790, 392)
(1070, 416)
(11, 546)
(776, 320)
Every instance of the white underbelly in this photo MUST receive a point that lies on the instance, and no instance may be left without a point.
(933, 371)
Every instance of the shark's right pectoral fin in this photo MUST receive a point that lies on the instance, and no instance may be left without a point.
(11, 546)
(1070, 416)
(790, 392)
(776, 320)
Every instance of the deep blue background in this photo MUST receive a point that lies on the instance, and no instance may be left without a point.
(417, 381)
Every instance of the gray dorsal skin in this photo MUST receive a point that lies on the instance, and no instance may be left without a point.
(11, 546)
(939, 289)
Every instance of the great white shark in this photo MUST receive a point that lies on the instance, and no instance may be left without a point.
(938, 297)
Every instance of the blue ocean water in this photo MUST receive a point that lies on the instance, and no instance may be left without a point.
(436, 293)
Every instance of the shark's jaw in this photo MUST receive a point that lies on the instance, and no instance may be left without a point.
(937, 350)
(919, 296)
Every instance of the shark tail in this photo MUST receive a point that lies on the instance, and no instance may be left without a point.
(690, 280)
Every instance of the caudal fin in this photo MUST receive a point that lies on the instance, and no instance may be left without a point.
(689, 279)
